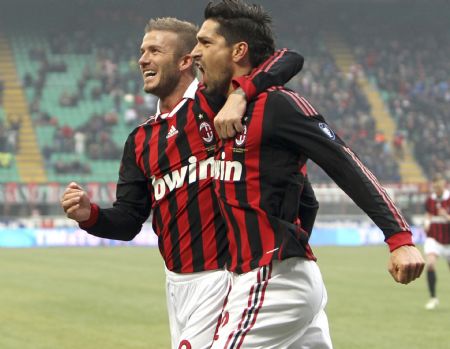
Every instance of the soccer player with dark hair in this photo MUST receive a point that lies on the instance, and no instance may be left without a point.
(167, 168)
(437, 227)
(277, 296)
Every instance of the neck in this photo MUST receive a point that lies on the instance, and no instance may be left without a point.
(238, 71)
(167, 103)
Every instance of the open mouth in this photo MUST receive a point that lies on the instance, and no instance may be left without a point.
(200, 68)
(149, 73)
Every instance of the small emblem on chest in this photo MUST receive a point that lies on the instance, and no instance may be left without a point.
(240, 138)
(206, 132)
(172, 132)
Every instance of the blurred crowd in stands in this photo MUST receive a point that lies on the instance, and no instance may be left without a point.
(123, 87)
(412, 74)
(340, 100)
(9, 139)
(2, 88)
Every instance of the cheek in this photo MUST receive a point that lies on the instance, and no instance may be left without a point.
(221, 63)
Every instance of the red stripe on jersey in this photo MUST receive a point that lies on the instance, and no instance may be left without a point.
(163, 204)
(276, 58)
(252, 163)
(304, 103)
(303, 169)
(208, 235)
(268, 61)
(396, 214)
(309, 253)
(182, 218)
(299, 102)
(238, 215)
(139, 139)
(231, 235)
(310, 106)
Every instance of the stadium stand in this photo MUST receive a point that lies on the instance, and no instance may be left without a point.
(77, 92)
(338, 97)
(82, 88)
(412, 75)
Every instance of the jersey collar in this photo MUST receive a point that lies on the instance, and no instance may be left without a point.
(445, 195)
(188, 94)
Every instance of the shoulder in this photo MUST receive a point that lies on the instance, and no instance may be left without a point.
(138, 134)
(280, 99)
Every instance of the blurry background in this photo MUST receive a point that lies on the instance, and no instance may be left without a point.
(71, 91)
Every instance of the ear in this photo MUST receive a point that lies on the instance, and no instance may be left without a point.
(185, 62)
(240, 51)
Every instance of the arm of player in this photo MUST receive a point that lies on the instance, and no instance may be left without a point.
(296, 124)
(406, 264)
(278, 69)
(130, 210)
(76, 203)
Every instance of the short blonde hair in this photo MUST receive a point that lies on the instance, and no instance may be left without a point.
(186, 31)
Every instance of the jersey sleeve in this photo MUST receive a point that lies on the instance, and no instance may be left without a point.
(277, 70)
(132, 207)
(300, 128)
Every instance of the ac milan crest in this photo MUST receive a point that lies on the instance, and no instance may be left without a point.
(206, 132)
(241, 137)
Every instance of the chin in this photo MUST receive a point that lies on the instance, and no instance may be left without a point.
(149, 89)
(212, 89)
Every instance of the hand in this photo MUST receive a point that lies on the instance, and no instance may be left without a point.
(228, 122)
(75, 203)
(406, 264)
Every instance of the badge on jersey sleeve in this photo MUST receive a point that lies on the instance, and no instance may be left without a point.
(327, 130)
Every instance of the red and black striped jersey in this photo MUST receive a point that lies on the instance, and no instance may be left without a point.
(167, 169)
(439, 228)
(258, 182)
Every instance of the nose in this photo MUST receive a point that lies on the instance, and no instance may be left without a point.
(196, 52)
(143, 59)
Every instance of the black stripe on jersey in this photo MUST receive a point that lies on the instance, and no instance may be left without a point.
(159, 223)
(223, 257)
(164, 163)
(146, 159)
(230, 217)
(195, 221)
(251, 220)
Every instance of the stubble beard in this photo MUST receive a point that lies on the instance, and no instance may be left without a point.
(221, 85)
(165, 87)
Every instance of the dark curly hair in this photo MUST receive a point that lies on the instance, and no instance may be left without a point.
(240, 21)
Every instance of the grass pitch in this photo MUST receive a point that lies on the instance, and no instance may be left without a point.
(111, 298)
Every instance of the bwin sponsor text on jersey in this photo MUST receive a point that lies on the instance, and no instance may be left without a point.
(196, 171)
